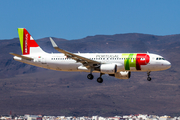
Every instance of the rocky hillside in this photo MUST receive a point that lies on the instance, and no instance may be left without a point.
(28, 89)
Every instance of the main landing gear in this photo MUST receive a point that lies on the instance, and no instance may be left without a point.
(148, 74)
(90, 76)
(99, 79)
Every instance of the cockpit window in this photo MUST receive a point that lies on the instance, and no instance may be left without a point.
(160, 59)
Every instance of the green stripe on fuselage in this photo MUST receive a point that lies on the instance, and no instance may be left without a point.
(129, 61)
(20, 32)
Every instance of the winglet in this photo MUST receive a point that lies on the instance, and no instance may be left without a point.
(53, 43)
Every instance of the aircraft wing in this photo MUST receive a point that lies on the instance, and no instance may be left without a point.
(85, 61)
(21, 56)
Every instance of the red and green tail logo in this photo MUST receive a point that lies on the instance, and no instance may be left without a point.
(26, 41)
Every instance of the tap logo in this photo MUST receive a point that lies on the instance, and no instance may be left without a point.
(135, 60)
(26, 42)
(26, 39)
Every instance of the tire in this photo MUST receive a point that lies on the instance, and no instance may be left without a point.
(90, 76)
(99, 80)
(149, 78)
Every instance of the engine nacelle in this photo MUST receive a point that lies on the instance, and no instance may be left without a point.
(122, 75)
(108, 68)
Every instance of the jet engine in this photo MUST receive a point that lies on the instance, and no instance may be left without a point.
(122, 75)
(108, 68)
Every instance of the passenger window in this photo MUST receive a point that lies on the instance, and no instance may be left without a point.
(142, 58)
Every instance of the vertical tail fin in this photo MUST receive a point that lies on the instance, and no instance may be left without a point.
(28, 44)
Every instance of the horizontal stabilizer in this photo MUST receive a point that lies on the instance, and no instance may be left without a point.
(24, 57)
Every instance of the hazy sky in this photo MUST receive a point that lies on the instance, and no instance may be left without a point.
(75, 19)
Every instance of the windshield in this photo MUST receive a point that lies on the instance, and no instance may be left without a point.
(160, 59)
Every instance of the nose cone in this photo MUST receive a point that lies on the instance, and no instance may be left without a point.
(167, 64)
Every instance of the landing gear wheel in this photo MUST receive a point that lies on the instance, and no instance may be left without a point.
(148, 74)
(99, 80)
(149, 78)
(90, 76)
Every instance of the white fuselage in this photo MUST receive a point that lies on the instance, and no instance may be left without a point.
(118, 65)
(58, 61)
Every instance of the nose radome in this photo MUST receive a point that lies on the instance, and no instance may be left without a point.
(168, 64)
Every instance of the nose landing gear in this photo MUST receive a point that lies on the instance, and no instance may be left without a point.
(148, 74)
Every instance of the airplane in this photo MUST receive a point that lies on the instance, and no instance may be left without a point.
(118, 65)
